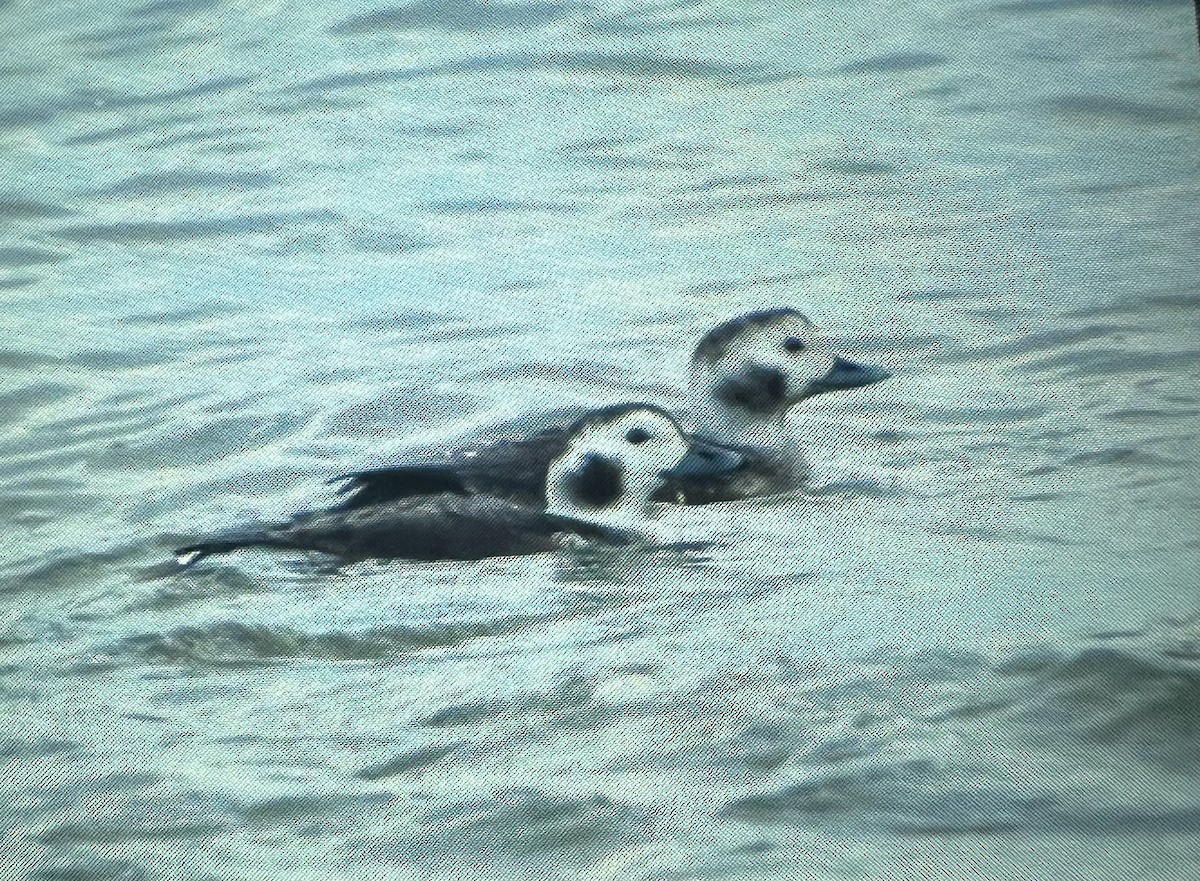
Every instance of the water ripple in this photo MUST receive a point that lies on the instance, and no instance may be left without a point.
(190, 229)
(468, 16)
(235, 644)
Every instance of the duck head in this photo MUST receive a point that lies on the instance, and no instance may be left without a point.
(618, 457)
(746, 373)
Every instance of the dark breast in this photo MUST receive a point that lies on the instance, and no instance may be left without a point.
(765, 473)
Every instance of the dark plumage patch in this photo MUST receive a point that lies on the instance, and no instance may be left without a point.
(754, 388)
(366, 488)
(714, 344)
(597, 483)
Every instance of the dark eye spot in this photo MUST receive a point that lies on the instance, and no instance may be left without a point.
(637, 435)
(793, 345)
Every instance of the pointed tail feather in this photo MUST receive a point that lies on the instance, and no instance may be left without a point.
(189, 555)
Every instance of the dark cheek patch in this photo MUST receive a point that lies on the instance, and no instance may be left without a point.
(735, 391)
(598, 484)
(755, 390)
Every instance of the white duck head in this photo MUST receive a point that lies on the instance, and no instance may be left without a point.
(615, 460)
(746, 374)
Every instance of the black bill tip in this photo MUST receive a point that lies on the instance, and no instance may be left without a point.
(845, 374)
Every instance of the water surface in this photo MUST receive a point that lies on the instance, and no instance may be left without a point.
(246, 246)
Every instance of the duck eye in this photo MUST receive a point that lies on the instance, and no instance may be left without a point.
(637, 435)
(793, 345)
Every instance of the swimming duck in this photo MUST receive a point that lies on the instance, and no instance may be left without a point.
(744, 376)
(599, 488)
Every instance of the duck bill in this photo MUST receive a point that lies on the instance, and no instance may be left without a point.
(705, 459)
(846, 374)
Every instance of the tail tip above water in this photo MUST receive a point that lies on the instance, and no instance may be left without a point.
(185, 557)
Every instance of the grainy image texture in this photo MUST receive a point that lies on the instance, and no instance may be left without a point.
(930, 608)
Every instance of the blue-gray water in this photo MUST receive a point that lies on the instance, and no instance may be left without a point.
(244, 246)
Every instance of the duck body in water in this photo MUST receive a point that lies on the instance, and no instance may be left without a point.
(745, 375)
(599, 488)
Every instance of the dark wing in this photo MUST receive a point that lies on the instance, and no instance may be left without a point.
(378, 486)
(440, 527)
(513, 468)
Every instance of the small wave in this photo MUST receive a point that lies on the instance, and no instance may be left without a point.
(856, 488)
(923, 796)
(205, 444)
(1119, 363)
(67, 571)
(93, 101)
(1121, 456)
(629, 64)
(1151, 414)
(14, 207)
(856, 167)
(512, 824)
(236, 644)
(127, 131)
(1041, 342)
(998, 534)
(36, 749)
(142, 44)
(14, 283)
(127, 359)
(131, 828)
(1130, 697)
(189, 316)
(729, 285)
(491, 205)
(183, 230)
(938, 295)
(87, 867)
(215, 86)
(466, 16)
(211, 137)
(156, 183)
(1108, 108)
(202, 584)
(24, 256)
(407, 762)
(571, 698)
(336, 238)
(400, 408)
(122, 41)
(314, 814)
(641, 22)
(15, 118)
(733, 182)
(17, 404)
(986, 415)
